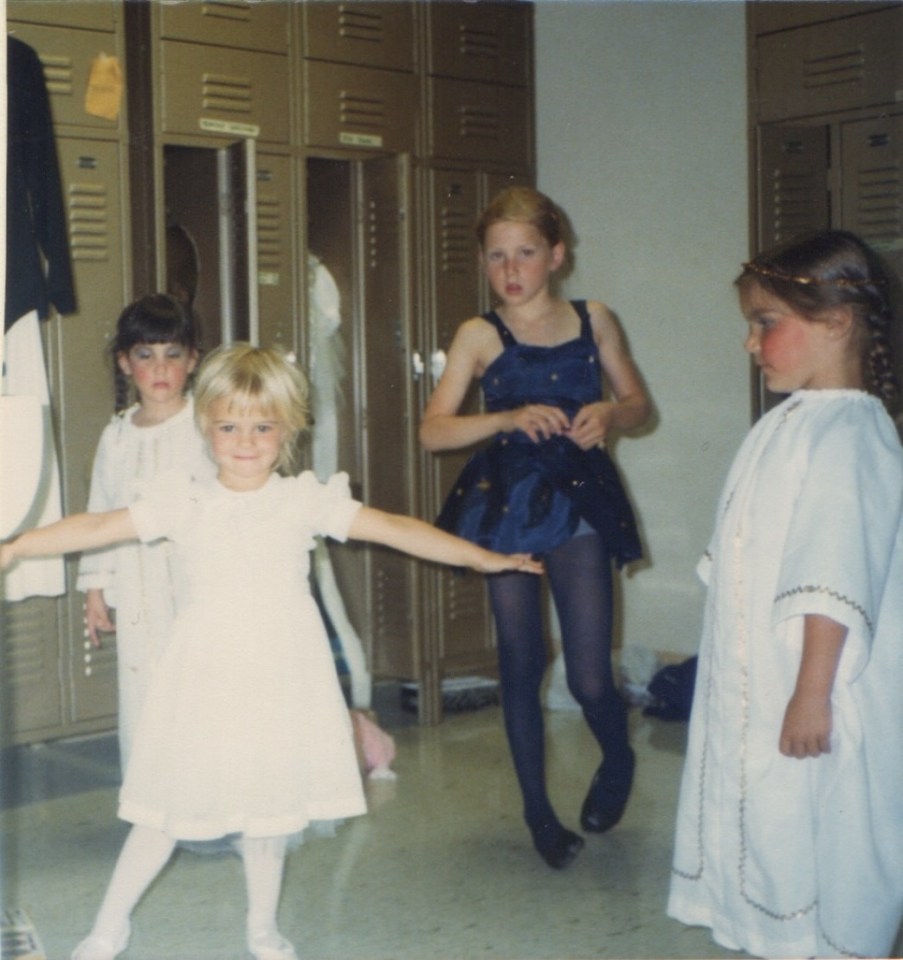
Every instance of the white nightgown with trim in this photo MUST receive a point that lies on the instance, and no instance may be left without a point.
(783, 857)
(136, 578)
(244, 728)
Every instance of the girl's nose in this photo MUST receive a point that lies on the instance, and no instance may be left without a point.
(751, 344)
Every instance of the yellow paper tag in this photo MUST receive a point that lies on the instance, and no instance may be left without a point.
(104, 94)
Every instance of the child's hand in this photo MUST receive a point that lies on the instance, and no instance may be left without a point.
(491, 562)
(591, 424)
(540, 421)
(807, 727)
(97, 616)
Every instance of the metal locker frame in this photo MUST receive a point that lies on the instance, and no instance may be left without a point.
(484, 40)
(363, 34)
(221, 91)
(347, 107)
(827, 67)
(474, 121)
(242, 24)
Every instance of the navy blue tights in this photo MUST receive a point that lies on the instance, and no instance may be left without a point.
(580, 576)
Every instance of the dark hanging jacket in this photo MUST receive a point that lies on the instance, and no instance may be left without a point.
(38, 267)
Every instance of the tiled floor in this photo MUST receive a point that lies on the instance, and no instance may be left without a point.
(440, 869)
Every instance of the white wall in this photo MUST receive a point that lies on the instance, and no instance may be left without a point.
(641, 138)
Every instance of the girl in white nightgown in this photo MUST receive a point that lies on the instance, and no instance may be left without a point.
(790, 823)
(244, 729)
(154, 351)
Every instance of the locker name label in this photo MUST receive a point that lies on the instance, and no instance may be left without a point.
(360, 139)
(227, 126)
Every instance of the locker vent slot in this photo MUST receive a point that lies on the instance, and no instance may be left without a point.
(357, 110)
(368, 26)
(879, 208)
(226, 94)
(478, 123)
(58, 74)
(227, 9)
(456, 245)
(89, 221)
(25, 625)
(794, 207)
(834, 70)
(479, 44)
(269, 233)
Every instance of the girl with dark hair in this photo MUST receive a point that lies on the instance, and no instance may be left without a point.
(154, 352)
(788, 829)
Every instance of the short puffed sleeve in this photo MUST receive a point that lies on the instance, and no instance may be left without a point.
(161, 509)
(330, 505)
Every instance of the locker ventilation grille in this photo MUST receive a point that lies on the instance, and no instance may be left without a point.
(227, 9)
(58, 74)
(479, 123)
(357, 110)
(456, 242)
(834, 70)
(794, 210)
(226, 94)
(479, 44)
(269, 233)
(879, 207)
(89, 221)
(362, 25)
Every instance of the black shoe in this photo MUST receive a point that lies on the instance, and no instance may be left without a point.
(608, 794)
(557, 845)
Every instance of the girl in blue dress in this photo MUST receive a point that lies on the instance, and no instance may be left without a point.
(545, 484)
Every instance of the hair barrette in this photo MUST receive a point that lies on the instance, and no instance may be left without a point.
(806, 281)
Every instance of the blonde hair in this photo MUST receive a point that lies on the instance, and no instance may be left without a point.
(525, 205)
(255, 379)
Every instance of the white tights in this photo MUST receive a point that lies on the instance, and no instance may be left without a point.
(146, 851)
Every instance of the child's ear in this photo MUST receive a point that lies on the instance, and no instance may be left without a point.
(122, 360)
(192, 361)
(840, 321)
(559, 251)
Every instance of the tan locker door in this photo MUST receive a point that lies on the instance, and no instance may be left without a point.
(32, 697)
(90, 16)
(465, 636)
(66, 56)
(83, 388)
(387, 440)
(872, 201)
(366, 34)
(277, 258)
(243, 24)
(839, 65)
(478, 122)
(486, 41)
(349, 106)
(223, 91)
(793, 182)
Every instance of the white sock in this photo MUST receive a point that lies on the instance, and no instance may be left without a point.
(144, 854)
(264, 858)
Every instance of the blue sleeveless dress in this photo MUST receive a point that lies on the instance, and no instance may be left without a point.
(515, 495)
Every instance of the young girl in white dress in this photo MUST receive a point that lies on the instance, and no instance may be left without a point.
(154, 353)
(789, 840)
(244, 729)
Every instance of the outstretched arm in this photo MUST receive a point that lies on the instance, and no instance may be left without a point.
(807, 721)
(81, 531)
(429, 543)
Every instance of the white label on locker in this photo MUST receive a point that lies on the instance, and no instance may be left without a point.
(267, 278)
(227, 126)
(360, 139)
